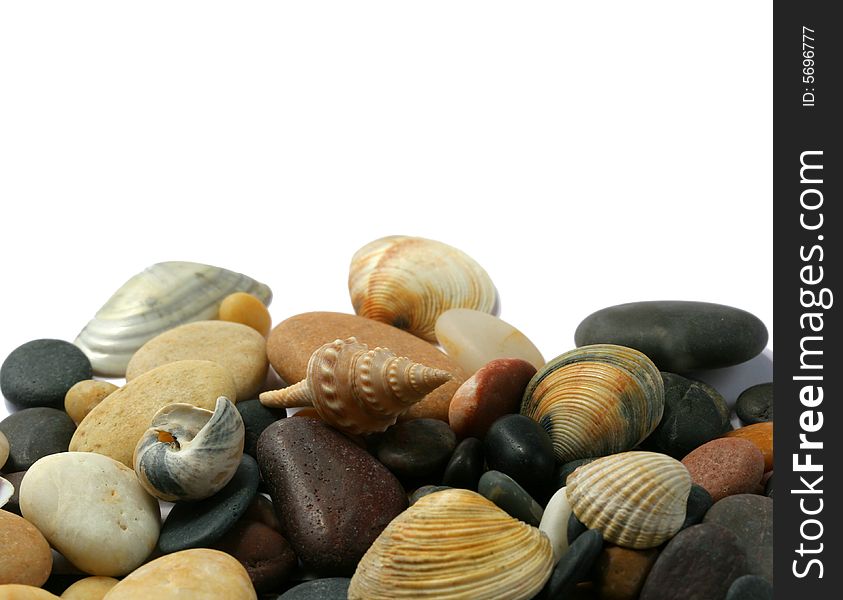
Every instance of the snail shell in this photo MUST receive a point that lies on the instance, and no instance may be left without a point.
(190, 453)
(358, 390)
(454, 544)
(408, 282)
(596, 400)
(7, 490)
(635, 499)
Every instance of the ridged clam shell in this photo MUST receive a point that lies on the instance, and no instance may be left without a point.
(596, 400)
(635, 499)
(454, 544)
(408, 282)
(356, 389)
(190, 453)
(155, 300)
(7, 490)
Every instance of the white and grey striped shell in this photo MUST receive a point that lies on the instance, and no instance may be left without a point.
(189, 453)
(635, 499)
(7, 490)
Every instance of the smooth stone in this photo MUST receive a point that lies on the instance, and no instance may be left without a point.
(187, 575)
(84, 396)
(264, 553)
(575, 528)
(760, 434)
(694, 413)
(700, 562)
(13, 505)
(473, 338)
(564, 470)
(726, 466)
(755, 404)
(418, 449)
(4, 449)
(331, 588)
(262, 511)
(17, 591)
(511, 497)
(256, 417)
(678, 336)
(26, 557)
(114, 427)
(465, 466)
(750, 587)
(621, 572)
(519, 447)
(293, 341)
(750, 518)
(34, 433)
(246, 309)
(574, 566)
(554, 523)
(40, 372)
(699, 501)
(332, 497)
(90, 588)
(426, 490)
(93, 510)
(493, 391)
(238, 348)
(203, 523)
(768, 487)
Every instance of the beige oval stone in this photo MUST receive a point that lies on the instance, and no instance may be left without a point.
(25, 557)
(90, 588)
(292, 341)
(93, 510)
(4, 449)
(242, 307)
(114, 427)
(16, 591)
(187, 575)
(84, 396)
(237, 347)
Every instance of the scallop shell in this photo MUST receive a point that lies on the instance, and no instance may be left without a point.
(408, 282)
(155, 300)
(635, 499)
(596, 400)
(7, 490)
(190, 453)
(356, 389)
(454, 544)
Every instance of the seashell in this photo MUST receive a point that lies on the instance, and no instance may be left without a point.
(596, 400)
(454, 544)
(407, 282)
(155, 300)
(189, 453)
(356, 389)
(7, 490)
(635, 499)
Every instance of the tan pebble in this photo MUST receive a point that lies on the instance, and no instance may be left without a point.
(90, 588)
(4, 449)
(621, 572)
(247, 309)
(760, 434)
(187, 575)
(16, 591)
(25, 557)
(84, 396)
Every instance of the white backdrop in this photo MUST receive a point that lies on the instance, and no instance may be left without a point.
(586, 154)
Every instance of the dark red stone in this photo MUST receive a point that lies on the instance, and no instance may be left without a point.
(265, 554)
(726, 466)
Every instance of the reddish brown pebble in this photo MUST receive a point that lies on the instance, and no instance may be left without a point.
(760, 434)
(726, 466)
(493, 391)
(264, 552)
(621, 572)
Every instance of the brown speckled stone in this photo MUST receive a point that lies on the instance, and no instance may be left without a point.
(621, 572)
(264, 552)
(25, 557)
(760, 434)
(726, 466)
(84, 396)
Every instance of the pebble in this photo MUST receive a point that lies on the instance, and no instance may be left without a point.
(265, 554)
(114, 427)
(4, 449)
(84, 396)
(474, 338)
(760, 434)
(417, 450)
(13, 505)
(332, 497)
(678, 336)
(621, 572)
(726, 466)
(575, 527)
(750, 587)
(519, 447)
(493, 391)
(40, 372)
(700, 562)
(93, 510)
(565, 469)
(511, 497)
(291, 343)
(238, 348)
(694, 413)
(33, 433)
(426, 490)
(246, 309)
(699, 501)
(574, 566)
(256, 417)
(768, 487)
(26, 558)
(187, 575)
(331, 588)
(755, 404)
(90, 588)
(554, 523)
(16, 591)
(465, 466)
(750, 518)
(202, 523)
(262, 511)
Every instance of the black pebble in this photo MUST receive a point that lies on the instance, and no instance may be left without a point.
(564, 470)
(755, 404)
(417, 450)
(519, 447)
(256, 417)
(699, 501)
(466, 465)
(511, 497)
(574, 566)
(768, 488)
(34, 433)
(426, 490)
(575, 528)
(331, 588)
(40, 372)
(750, 587)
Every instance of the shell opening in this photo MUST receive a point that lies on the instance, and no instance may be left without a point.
(167, 438)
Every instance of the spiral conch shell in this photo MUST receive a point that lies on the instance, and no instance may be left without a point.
(454, 544)
(635, 499)
(189, 453)
(408, 282)
(356, 389)
(596, 400)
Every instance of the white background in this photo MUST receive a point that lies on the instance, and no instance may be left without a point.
(585, 153)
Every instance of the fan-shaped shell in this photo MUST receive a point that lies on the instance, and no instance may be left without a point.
(7, 490)
(155, 300)
(635, 499)
(596, 400)
(408, 282)
(189, 453)
(356, 389)
(454, 544)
